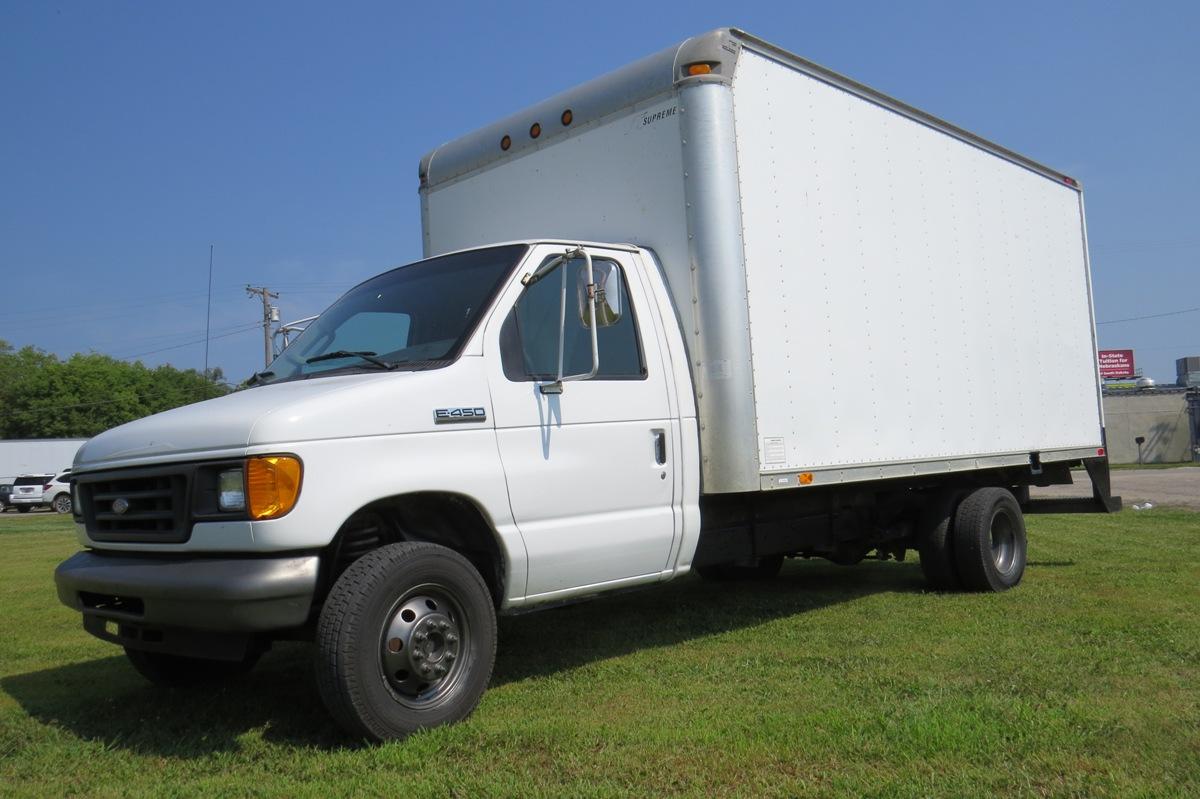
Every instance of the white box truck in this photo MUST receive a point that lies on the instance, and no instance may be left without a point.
(718, 308)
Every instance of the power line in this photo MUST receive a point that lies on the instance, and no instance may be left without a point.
(1149, 316)
(243, 329)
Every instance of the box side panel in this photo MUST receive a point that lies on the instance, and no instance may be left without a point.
(911, 296)
(618, 181)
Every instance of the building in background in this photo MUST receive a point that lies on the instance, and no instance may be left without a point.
(1187, 371)
(1164, 418)
(37, 456)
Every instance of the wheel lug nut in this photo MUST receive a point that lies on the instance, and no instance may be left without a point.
(418, 655)
(441, 671)
(419, 635)
(426, 669)
(450, 656)
(452, 638)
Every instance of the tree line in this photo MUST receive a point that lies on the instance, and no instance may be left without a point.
(43, 396)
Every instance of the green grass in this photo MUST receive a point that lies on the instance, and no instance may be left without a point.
(830, 681)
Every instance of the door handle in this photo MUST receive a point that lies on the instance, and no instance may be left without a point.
(660, 447)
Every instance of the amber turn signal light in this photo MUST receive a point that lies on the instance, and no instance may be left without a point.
(699, 69)
(272, 485)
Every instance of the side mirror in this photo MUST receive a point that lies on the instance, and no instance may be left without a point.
(607, 279)
(589, 311)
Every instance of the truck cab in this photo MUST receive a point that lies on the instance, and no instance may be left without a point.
(525, 407)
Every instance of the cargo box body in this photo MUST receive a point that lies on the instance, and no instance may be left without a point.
(865, 291)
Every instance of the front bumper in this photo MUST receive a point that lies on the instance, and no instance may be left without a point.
(187, 604)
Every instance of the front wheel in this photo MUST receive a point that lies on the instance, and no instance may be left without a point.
(989, 540)
(62, 503)
(406, 640)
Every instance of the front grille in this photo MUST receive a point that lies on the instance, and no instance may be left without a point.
(136, 505)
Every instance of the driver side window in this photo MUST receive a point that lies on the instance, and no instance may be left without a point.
(529, 336)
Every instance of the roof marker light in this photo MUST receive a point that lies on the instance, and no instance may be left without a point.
(567, 117)
(698, 69)
(506, 142)
(535, 130)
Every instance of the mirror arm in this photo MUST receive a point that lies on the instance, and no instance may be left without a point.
(556, 387)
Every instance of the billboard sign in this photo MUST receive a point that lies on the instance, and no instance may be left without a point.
(1116, 363)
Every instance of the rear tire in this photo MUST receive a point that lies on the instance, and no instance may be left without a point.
(761, 569)
(62, 503)
(178, 671)
(989, 540)
(406, 640)
(935, 542)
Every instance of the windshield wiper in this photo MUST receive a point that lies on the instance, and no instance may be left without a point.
(366, 355)
(259, 377)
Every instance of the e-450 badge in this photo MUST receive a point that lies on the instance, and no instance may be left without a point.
(448, 415)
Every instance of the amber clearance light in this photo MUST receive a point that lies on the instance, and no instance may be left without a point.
(272, 485)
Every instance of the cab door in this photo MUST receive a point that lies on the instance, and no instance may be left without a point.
(590, 470)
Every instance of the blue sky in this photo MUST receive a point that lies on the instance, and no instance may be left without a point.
(288, 135)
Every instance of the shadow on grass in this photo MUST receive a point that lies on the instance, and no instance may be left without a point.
(105, 700)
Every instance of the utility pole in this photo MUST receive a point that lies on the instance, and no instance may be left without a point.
(268, 313)
(208, 312)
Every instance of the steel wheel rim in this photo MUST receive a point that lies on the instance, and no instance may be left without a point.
(1004, 541)
(424, 646)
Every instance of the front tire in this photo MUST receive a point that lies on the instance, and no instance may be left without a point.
(62, 503)
(406, 640)
(178, 671)
(989, 540)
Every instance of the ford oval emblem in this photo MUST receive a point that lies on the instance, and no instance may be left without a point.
(120, 505)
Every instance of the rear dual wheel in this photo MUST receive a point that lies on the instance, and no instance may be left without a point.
(975, 541)
(989, 540)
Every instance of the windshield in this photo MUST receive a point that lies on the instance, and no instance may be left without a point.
(415, 317)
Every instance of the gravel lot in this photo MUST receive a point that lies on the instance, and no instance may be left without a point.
(1178, 488)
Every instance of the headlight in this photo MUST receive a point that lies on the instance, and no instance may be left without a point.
(273, 485)
(231, 491)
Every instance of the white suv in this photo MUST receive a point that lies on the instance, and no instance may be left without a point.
(42, 490)
(58, 493)
(27, 491)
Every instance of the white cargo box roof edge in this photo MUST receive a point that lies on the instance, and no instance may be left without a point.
(655, 75)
